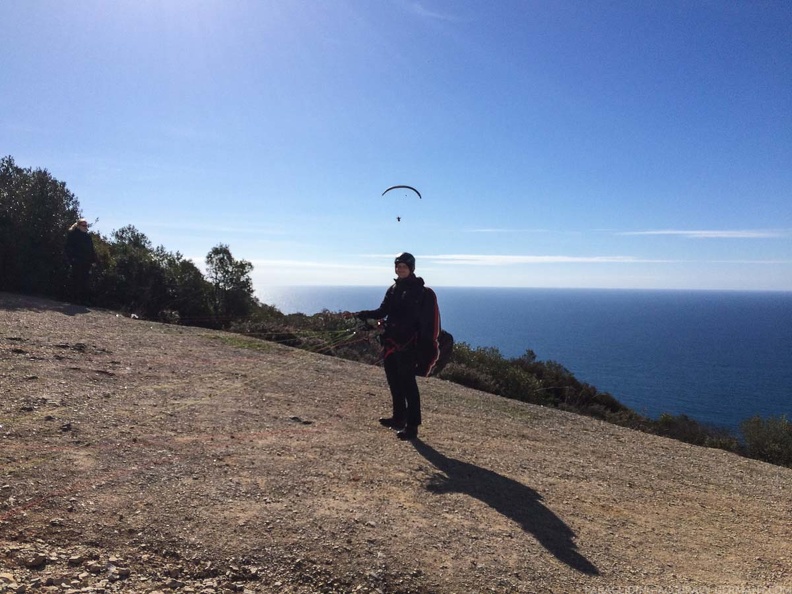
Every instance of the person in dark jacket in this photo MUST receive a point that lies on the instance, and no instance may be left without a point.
(81, 256)
(409, 342)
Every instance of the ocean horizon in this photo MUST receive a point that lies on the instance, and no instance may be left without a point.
(719, 357)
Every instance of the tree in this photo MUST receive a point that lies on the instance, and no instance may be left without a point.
(233, 288)
(36, 210)
(187, 289)
(132, 279)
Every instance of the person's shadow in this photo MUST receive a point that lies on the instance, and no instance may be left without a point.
(13, 302)
(514, 500)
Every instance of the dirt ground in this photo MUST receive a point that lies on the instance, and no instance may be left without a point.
(140, 457)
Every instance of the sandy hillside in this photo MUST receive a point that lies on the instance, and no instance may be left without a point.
(139, 457)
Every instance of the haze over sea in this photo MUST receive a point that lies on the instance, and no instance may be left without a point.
(718, 357)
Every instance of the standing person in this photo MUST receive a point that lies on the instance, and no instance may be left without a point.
(81, 256)
(409, 343)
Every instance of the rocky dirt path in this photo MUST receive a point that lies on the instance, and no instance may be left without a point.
(140, 457)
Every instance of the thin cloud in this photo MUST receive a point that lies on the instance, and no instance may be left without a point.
(420, 10)
(201, 227)
(504, 230)
(309, 264)
(510, 260)
(713, 234)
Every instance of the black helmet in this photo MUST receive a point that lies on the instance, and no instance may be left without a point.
(406, 258)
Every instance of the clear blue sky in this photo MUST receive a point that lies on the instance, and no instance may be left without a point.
(629, 144)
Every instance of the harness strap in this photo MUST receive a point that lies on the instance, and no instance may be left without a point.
(390, 346)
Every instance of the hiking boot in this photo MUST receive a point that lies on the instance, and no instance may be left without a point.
(408, 433)
(391, 423)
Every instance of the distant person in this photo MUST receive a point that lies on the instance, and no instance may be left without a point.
(409, 343)
(81, 256)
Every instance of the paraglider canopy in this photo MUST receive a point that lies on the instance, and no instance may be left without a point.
(403, 187)
(398, 218)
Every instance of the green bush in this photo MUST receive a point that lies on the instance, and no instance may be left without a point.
(683, 428)
(769, 439)
(131, 279)
(485, 368)
(470, 377)
(36, 211)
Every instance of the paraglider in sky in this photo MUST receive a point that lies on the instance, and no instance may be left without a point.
(404, 187)
(398, 219)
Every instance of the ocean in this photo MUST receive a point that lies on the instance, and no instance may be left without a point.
(718, 357)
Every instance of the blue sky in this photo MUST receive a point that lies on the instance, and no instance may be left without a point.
(603, 144)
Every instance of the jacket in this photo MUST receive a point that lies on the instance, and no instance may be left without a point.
(79, 248)
(412, 320)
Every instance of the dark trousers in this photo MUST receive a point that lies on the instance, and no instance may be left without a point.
(400, 373)
(80, 282)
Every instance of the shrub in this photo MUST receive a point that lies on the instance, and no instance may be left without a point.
(683, 428)
(769, 439)
(470, 377)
